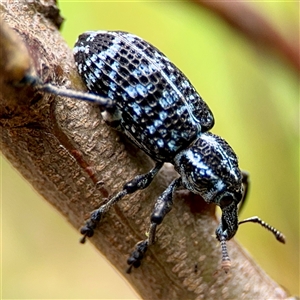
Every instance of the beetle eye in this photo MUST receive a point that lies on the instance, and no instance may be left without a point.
(225, 201)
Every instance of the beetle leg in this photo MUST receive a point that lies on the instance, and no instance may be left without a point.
(246, 184)
(103, 102)
(162, 206)
(138, 183)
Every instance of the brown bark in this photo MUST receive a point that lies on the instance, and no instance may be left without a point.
(64, 149)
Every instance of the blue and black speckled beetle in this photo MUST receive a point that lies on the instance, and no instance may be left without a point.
(140, 92)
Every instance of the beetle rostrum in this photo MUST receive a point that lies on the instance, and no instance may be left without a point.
(140, 92)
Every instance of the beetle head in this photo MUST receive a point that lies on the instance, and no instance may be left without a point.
(209, 167)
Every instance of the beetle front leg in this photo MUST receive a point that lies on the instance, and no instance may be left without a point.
(226, 231)
(162, 206)
(246, 185)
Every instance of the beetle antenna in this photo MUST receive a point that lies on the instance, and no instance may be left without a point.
(279, 236)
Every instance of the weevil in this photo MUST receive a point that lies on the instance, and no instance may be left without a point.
(142, 93)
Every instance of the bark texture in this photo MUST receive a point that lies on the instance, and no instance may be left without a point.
(64, 149)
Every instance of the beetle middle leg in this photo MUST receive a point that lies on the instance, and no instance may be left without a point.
(137, 183)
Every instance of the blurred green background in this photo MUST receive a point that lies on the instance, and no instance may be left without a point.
(254, 96)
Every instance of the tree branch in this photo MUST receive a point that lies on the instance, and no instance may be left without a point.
(64, 149)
